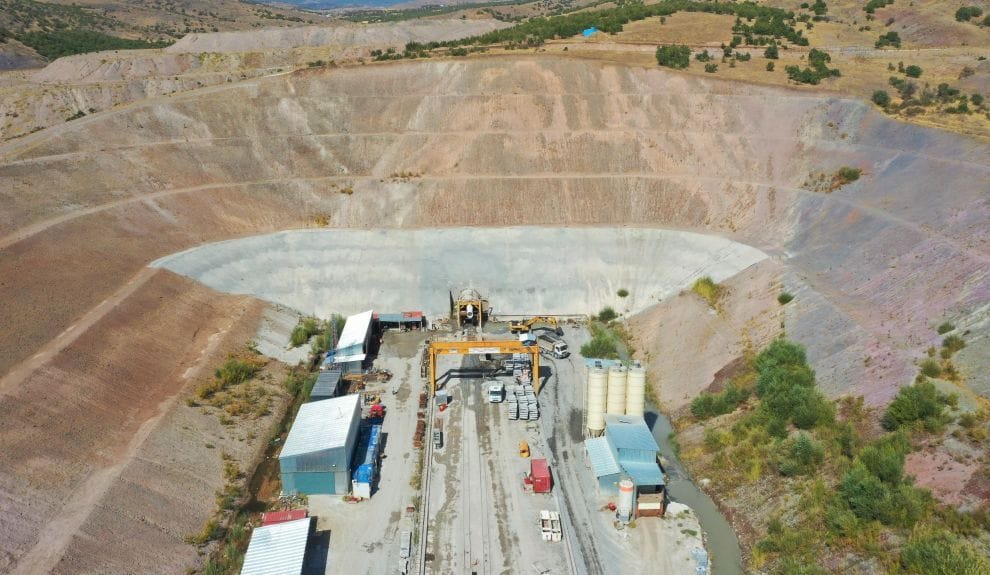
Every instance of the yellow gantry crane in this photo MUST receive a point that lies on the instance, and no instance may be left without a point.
(482, 348)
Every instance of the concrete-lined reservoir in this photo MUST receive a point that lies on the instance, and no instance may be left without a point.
(521, 270)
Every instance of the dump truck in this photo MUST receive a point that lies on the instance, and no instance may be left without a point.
(553, 345)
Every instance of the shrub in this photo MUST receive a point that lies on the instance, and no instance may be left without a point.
(930, 368)
(709, 405)
(674, 56)
(305, 329)
(770, 66)
(703, 56)
(881, 98)
(885, 458)
(623, 292)
(889, 39)
(953, 343)
(607, 314)
(772, 52)
(707, 289)
(816, 72)
(601, 346)
(211, 530)
(917, 402)
(945, 328)
(966, 13)
(938, 552)
(847, 174)
(801, 455)
(711, 68)
(913, 71)
(786, 385)
(865, 494)
(785, 298)
(976, 99)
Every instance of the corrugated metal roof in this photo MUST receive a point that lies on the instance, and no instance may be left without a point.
(326, 383)
(643, 473)
(275, 517)
(629, 432)
(321, 425)
(603, 460)
(355, 330)
(400, 317)
(278, 549)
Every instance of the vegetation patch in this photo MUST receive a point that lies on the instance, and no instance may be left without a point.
(785, 298)
(59, 43)
(674, 56)
(816, 71)
(602, 344)
(709, 291)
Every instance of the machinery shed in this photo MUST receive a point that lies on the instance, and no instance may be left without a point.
(401, 320)
(278, 549)
(317, 453)
(604, 464)
(352, 347)
(327, 385)
(628, 450)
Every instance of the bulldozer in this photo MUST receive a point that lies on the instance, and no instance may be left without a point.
(527, 325)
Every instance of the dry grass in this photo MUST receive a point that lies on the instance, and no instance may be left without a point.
(931, 38)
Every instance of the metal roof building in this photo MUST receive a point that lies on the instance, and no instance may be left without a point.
(352, 347)
(316, 457)
(627, 450)
(278, 549)
(327, 384)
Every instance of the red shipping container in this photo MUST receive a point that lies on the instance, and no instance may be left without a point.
(539, 470)
(273, 517)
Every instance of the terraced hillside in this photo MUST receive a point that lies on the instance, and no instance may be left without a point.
(505, 141)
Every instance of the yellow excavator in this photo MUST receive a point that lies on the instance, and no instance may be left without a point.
(527, 325)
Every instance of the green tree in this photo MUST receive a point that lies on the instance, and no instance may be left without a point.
(772, 52)
(916, 402)
(966, 13)
(913, 71)
(674, 56)
(881, 98)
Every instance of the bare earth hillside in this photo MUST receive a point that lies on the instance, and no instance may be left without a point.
(533, 141)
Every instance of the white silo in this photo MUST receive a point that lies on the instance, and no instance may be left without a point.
(596, 401)
(636, 392)
(627, 496)
(616, 396)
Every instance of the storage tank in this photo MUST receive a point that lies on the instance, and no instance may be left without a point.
(616, 397)
(636, 392)
(627, 496)
(596, 401)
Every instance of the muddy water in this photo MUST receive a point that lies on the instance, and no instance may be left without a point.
(723, 546)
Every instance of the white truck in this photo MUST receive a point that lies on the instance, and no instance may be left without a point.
(496, 393)
(553, 345)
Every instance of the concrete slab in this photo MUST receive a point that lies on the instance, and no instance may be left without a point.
(522, 270)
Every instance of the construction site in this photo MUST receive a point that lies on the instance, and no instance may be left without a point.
(271, 305)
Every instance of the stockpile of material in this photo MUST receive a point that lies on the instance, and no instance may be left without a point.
(522, 402)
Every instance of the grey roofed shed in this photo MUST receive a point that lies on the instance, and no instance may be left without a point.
(316, 457)
(326, 385)
(278, 549)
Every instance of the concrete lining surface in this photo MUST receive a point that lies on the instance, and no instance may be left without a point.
(522, 270)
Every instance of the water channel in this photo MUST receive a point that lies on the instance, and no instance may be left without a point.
(720, 538)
